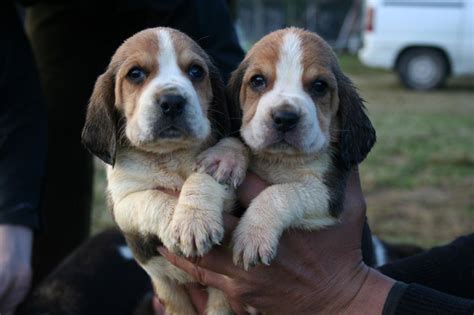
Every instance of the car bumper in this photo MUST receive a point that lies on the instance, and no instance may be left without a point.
(377, 53)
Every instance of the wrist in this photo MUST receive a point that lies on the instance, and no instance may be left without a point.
(371, 297)
(336, 295)
(16, 243)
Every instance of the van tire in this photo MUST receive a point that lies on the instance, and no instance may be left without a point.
(422, 69)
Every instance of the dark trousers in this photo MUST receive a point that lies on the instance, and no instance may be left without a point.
(71, 50)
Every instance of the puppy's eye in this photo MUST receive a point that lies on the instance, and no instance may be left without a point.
(195, 72)
(136, 75)
(258, 82)
(319, 87)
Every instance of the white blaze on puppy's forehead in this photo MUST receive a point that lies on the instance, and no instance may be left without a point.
(167, 59)
(289, 70)
(169, 74)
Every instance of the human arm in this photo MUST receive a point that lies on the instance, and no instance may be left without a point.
(440, 280)
(448, 268)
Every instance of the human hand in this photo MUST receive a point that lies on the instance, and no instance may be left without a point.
(197, 293)
(317, 271)
(15, 265)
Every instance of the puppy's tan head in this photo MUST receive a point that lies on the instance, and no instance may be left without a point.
(159, 93)
(296, 101)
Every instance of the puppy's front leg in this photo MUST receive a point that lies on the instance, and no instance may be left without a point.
(146, 212)
(227, 161)
(197, 221)
(278, 207)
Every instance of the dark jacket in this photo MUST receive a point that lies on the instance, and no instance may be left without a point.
(22, 125)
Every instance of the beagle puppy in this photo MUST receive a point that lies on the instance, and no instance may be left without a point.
(159, 105)
(306, 128)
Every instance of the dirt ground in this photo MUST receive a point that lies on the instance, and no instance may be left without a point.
(419, 178)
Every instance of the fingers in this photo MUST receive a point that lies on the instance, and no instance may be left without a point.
(251, 187)
(14, 293)
(158, 307)
(198, 295)
(202, 275)
(218, 260)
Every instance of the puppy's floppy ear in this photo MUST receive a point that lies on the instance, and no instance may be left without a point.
(218, 111)
(233, 96)
(99, 134)
(357, 135)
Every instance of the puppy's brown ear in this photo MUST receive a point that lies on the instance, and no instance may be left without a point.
(233, 96)
(357, 135)
(218, 111)
(99, 134)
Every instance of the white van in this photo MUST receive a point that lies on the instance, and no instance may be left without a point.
(425, 41)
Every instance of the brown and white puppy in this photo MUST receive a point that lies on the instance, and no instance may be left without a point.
(159, 104)
(306, 127)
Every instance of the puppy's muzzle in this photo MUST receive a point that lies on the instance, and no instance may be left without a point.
(285, 120)
(172, 105)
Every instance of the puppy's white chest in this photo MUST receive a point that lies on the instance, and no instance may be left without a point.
(136, 172)
(281, 171)
(272, 173)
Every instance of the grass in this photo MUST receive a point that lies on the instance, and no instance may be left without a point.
(101, 217)
(419, 178)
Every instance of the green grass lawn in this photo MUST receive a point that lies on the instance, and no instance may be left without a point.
(419, 178)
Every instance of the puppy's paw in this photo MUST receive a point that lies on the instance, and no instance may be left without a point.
(254, 245)
(195, 232)
(227, 162)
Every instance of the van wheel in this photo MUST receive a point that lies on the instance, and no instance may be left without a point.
(422, 69)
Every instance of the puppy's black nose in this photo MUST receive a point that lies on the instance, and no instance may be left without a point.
(172, 105)
(285, 120)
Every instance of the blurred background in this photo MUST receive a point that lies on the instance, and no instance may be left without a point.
(413, 63)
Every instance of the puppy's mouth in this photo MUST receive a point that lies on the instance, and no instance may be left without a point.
(287, 143)
(171, 132)
(278, 142)
(281, 145)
